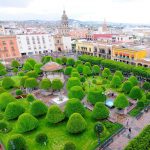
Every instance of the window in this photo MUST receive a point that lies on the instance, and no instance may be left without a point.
(38, 40)
(11, 42)
(58, 41)
(33, 40)
(43, 39)
(12, 48)
(27, 39)
(5, 48)
(4, 43)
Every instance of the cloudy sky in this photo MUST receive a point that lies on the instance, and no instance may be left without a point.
(129, 11)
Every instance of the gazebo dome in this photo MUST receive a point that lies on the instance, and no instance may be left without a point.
(51, 66)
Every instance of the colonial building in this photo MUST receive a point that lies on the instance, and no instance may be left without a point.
(35, 44)
(129, 55)
(94, 48)
(8, 47)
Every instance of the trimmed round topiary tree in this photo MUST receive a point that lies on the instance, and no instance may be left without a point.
(32, 74)
(31, 83)
(54, 114)
(57, 84)
(119, 74)
(95, 95)
(5, 99)
(126, 87)
(121, 101)
(80, 68)
(45, 84)
(74, 106)
(135, 93)
(17, 142)
(76, 123)
(13, 110)
(70, 62)
(15, 64)
(41, 138)
(96, 70)
(2, 90)
(22, 81)
(100, 111)
(8, 83)
(37, 68)
(133, 80)
(69, 146)
(30, 98)
(68, 70)
(4, 127)
(75, 74)
(87, 71)
(38, 108)
(73, 81)
(19, 92)
(64, 60)
(106, 72)
(76, 92)
(146, 86)
(88, 64)
(26, 122)
(116, 82)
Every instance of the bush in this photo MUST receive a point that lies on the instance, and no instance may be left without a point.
(23, 80)
(8, 83)
(19, 92)
(38, 108)
(80, 68)
(15, 70)
(37, 68)
(30, 98)
(57, 84)
(95, 95)
(2, 90)
(76, 123)
(116, 82)
(98, 128)
(106, 72)
(121, 102)
(78, 62)
(21, 74)
(146, 86)
(69, 146)
(87, 70)
(13, 110)
(68, 70)
(41, 138)
(100, 111)
(135, 93)
(17, 142)
(88, 64)
(126, 87)
(82, 79)
(95, 69)
(70, 62)
(26, 122)
(76, 92)
(45, 84)
(3, 72)
(58, 60)
(73, 81)
(75, 74)
(54, 114)
(133, 80)
(31, 83)
(15, 64)
(74, 106)
(5, 99)
(119, 74)
(64, 60)
(32, 74)
(4, 127)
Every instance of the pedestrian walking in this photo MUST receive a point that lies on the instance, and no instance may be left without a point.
(129, 134)
(127, 122)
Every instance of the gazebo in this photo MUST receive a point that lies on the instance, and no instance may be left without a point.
(50, 69)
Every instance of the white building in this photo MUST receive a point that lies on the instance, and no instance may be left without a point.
(35, 44)
(66, 40)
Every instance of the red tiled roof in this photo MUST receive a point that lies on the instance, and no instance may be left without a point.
(97, 36)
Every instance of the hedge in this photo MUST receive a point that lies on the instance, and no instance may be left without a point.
(141, 142)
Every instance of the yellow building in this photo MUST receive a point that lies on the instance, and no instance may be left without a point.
(128, 55)
(85, 47)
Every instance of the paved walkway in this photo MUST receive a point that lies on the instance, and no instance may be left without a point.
(122, 140)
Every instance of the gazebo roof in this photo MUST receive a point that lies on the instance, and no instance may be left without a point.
(51, 66)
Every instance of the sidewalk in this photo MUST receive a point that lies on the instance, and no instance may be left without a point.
(120, 142)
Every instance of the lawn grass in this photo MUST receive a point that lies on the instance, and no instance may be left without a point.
(58, 135)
